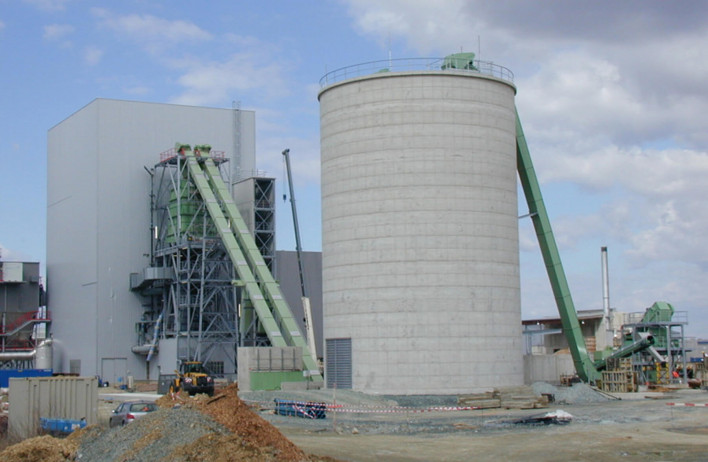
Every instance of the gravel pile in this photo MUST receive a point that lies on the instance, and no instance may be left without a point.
(150, 438)
(215, 429)
(579, 393)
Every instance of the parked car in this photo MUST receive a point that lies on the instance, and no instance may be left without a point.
(128, 411)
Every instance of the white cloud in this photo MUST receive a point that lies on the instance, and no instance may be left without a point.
(12, 255)
(92, 55)
(57, 32)
(441, 26)
(153, 33)
(219, 81)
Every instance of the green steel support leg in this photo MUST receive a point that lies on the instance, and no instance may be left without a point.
(584, 365)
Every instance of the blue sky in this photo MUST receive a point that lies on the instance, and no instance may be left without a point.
(611, 94)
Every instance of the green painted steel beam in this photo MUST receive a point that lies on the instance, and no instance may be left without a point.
(584, 365)
(268, 286)
(250, 284)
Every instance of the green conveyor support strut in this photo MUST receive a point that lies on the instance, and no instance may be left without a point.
(584, 365)
(248, 260)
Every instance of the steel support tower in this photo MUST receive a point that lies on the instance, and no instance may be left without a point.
(209, 285)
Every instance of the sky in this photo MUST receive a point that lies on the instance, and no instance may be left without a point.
(611, 95)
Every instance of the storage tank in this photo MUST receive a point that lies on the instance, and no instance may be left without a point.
(420, 248)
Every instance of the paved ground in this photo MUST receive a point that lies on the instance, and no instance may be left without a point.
(637, 427)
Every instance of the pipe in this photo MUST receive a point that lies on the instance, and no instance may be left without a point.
(25, 355)
(609, 329)
(645, 341)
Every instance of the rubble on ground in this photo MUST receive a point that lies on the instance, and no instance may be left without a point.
(578, 393)
(219, 428)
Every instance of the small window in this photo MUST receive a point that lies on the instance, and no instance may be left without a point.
(142, 407)
(215, 368)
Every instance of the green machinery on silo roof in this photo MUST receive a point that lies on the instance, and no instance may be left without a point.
(459, 61)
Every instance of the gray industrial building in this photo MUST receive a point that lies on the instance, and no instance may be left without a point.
(23, 316)
(102, 163)
(420, 235)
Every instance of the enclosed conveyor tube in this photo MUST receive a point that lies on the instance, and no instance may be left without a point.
(584, 365)
(645, 341)
(255, 278)
(587, 369)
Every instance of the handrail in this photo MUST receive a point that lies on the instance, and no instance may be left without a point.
(411, 65)
(22, 322)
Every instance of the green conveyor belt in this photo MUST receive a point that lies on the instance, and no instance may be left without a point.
(584, 365)
(261, 289)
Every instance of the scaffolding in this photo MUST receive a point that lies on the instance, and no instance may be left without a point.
(210, 284)
(668, 353)
(190, 288)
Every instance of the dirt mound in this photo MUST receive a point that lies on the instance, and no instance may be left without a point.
(263, 440)
(41, 449)
(215, 429)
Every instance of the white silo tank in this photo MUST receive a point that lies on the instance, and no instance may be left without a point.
(420, 237)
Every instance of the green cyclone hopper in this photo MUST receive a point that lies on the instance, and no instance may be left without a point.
(256, 280)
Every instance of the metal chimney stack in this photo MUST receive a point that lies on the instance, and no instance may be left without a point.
(606, 298)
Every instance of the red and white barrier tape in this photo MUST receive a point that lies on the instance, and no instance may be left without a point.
(367, 409)
(688, 404)
(402, 410)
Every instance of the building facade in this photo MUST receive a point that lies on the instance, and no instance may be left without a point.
(100, 164)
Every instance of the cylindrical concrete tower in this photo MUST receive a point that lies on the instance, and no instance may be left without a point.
(420, 237)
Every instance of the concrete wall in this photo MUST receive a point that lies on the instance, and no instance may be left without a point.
(268, 367)
(420, 234)
(547, 368)
(287, 276)
(98, 219)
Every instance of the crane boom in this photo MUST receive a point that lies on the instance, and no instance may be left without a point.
(309, 326)
(298, 247)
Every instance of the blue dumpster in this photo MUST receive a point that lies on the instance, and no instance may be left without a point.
(61, 425)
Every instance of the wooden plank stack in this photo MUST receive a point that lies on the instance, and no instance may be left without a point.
(506, 398)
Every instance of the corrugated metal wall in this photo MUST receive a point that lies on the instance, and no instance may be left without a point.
(51, 397)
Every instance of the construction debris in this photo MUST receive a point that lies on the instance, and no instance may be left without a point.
(558, 417)
(198, 428)
(506, 398)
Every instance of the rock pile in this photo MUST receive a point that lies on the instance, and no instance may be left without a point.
(219, 428)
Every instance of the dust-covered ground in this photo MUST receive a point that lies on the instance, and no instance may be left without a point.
(626, 427)
(358, 427)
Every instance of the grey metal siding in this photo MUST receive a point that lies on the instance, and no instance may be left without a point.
(338, 368)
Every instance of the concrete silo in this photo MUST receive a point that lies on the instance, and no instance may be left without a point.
(420, 235)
